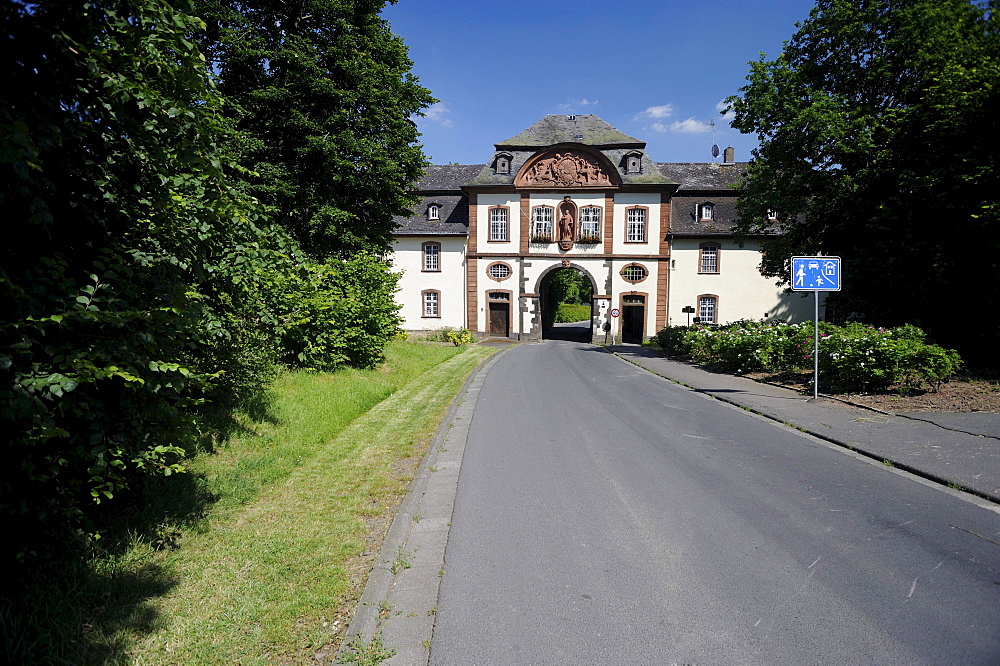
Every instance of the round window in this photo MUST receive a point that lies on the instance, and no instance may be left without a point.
(498, 271)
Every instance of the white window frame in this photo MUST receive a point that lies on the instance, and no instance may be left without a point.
(590, 221)
(434, 212)
(635, 230)
(542, 221)
(710, 252)
(497, 266)
(706, 211)
(499, 224)
(432, 257)
(431, 303)
(708, 305)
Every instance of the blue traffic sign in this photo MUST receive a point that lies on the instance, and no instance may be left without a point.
(815, 273)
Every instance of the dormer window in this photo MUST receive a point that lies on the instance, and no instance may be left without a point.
(633, 163)
(433, 212)
(772, 214)
(502, 163)
(706, 211)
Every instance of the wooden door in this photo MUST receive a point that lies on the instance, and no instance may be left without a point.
(500, 319)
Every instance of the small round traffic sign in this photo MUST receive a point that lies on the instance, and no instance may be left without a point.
(615, 312)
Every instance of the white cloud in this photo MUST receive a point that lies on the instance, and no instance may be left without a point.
(659, 127)
(438, 113)
(576, 103)
(656, 112)
(690, 126)
(722, 106)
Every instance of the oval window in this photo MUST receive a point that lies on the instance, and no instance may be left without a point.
(498, 271)
(634, 273)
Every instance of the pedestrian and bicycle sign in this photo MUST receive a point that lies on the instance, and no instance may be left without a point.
(815, 273)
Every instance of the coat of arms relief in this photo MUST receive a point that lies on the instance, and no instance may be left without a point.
(566, 169)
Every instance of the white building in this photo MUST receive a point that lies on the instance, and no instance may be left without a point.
(574, 192)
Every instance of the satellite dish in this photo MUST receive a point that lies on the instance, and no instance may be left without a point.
(715, 151)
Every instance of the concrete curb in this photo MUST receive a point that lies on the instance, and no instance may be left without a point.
(400, 598)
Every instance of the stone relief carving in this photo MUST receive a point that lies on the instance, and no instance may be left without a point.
(565, 169)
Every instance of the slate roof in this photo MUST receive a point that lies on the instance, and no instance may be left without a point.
(703, 175)
(684, 214)
(444, 177)
(454, 214)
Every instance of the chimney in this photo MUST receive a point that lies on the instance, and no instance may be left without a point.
(729, 157)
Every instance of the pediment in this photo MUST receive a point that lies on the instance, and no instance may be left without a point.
(568, 166)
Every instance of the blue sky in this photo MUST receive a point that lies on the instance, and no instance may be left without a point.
(655, 69)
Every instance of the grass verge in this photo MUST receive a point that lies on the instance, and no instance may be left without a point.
(295, 504)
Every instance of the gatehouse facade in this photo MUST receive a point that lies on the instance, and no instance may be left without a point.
(655, 239)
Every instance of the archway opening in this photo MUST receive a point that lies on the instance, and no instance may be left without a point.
(566, 299)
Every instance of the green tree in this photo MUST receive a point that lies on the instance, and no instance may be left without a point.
(124, 297)
(872, 125)
(322, 97)
(568, 285)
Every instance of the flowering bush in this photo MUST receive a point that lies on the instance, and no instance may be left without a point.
(459, 338)
(590, 238)
(851, 358)
(541, 238)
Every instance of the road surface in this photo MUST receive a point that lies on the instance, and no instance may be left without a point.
(607, 516)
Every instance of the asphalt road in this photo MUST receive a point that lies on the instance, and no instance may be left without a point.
(607, 516)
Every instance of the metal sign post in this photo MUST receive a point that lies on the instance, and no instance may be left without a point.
(816, 274)
(688, 310)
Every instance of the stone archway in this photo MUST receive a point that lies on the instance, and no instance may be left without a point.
(581, 331)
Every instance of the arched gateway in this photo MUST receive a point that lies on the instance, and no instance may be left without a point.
(584, 330)
(574, 192)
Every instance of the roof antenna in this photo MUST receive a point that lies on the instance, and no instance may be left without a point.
(715, 146)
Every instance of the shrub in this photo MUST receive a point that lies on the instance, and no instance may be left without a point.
(336, 313)
(854, 357)
(859, 357)
(671, 340)
(458, 338)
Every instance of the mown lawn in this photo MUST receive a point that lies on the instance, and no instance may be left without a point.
(292, 508)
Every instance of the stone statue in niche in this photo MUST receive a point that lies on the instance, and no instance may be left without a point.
(567, 225)
(566, 170)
